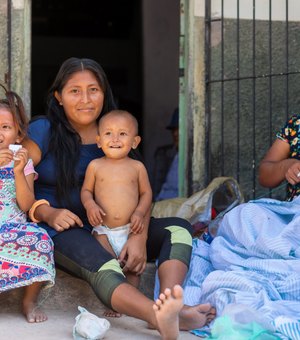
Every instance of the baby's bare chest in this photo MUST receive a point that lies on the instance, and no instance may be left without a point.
(120, 175)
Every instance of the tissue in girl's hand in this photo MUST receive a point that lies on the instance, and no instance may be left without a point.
(15, 148)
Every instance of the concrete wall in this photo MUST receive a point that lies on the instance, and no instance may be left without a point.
(15, 37)
(3, 42)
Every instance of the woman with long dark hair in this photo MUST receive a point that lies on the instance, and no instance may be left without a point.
(61, 145)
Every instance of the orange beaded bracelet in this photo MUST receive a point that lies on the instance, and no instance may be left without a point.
(33, 208)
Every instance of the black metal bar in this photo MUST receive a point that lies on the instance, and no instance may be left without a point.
(270, 72)
(208, 90)
(287, 56)
(9, 47)
(238, 91)
(253, 102)
(222, 88)
(270, 78)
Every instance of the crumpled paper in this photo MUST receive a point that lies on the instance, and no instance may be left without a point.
(89, 326)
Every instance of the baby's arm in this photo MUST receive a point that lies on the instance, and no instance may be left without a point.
(145, 201)
(93, 211)
(24, 184)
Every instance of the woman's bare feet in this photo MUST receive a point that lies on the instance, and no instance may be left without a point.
(111, 313)
(167, 309)
(194, 317)
(33, 313)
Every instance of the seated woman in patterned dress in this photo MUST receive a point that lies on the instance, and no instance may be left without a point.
(26, 251)
(282, 161)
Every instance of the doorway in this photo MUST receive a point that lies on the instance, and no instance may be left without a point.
(106, 31)
(136, 42)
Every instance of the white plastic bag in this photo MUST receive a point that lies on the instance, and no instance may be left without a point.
(89, 326)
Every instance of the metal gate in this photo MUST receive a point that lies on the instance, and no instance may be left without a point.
(252, 84)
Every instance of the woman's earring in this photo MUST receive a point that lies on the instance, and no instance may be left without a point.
(60, 103)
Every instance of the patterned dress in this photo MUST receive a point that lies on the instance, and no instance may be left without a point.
(26, 250)
(290, 134)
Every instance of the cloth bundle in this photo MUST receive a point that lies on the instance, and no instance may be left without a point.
(89, 326)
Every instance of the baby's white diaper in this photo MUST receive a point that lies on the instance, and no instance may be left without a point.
(117, 237)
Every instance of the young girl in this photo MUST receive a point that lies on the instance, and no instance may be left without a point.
(26, 251)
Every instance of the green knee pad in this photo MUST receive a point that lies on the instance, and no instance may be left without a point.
(181, 241)
(106, 280)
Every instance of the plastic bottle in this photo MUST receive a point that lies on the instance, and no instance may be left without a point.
(212, 229)
(207, 237)
(213, 226)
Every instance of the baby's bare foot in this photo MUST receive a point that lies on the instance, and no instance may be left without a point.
(167, 309)
(33, 313)
(112, 314)
(196, 316)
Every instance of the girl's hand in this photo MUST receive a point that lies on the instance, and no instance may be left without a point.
(6, 156)
(20, 160)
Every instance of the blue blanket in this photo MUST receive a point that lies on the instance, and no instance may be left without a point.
(253, 265)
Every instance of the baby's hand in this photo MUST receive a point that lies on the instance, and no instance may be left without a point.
(94, 213)
(137, 222)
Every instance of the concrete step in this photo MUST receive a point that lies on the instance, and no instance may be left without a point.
(70, 291)
(61, 302)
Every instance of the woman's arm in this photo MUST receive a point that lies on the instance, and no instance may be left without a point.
(58, 219)
(276, 166)
(33, 149)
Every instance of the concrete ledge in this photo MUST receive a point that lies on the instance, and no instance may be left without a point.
(61, 302)
(70, 292)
